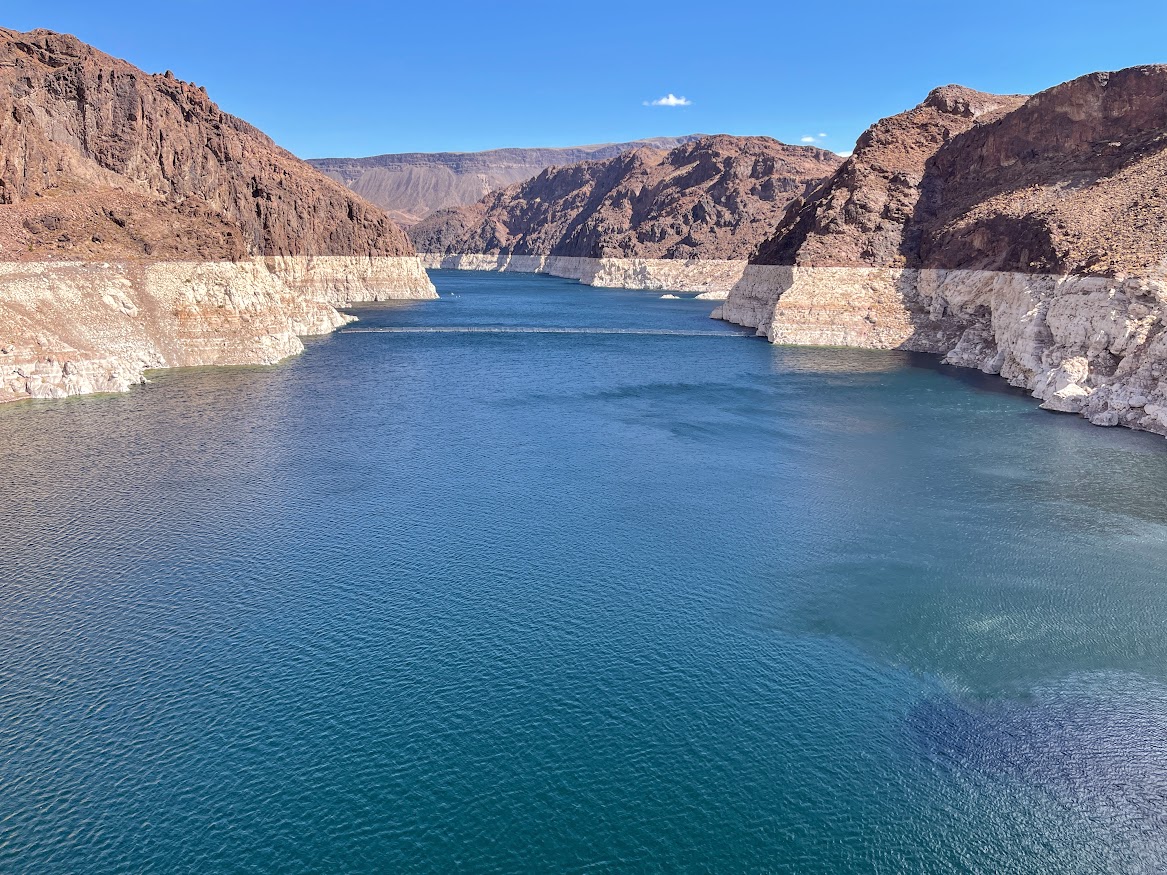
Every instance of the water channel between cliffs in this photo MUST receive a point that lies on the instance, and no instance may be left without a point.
(541, 577)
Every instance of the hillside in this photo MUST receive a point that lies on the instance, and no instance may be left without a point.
(713, 198)
(411, 185)
(141, 227)
(1021, 236)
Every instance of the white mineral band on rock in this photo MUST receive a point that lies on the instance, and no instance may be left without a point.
(73, 328)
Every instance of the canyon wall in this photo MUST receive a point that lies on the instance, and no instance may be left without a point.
(1019, 236)
(683, 220)
(72, 328)
(142, 227)
(1081, 344)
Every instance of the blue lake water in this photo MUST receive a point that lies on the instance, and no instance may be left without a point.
(506, 602)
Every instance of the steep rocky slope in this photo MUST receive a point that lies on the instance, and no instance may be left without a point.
(1071, 182)
(141, 227)
(859, 215)
(646, 218)
(1020, 236)
(411, 185)
(716, 197)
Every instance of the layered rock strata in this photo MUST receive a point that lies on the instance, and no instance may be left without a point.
(141, 227)
(1019, 236)
(72, 328)
(1080, 344)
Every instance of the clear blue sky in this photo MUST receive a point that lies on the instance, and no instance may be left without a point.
(362, 78)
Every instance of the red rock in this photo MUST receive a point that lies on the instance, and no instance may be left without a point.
(128, 164)
(714, 198)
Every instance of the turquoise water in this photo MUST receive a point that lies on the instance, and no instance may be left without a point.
(483, 601)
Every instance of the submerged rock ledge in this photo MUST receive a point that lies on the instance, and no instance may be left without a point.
(1081, 344)
(711, 279)
(75, 328)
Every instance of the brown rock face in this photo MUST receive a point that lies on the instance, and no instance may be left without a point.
(1070, 181)
(714, 198)
(859, 217)
(1022, 237)
(141, 227)
(1073, 181)
(412, 185)
(100, 161)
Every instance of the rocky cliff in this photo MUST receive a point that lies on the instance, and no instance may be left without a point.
(1019, 236)
(131, 206)
(859, 215)
(411, 185)
(636, 218)
(716, 197)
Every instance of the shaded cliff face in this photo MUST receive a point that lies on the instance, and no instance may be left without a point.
(860, 216)
(412, 185)
(101, 161)
(714, 198)
(1074, 181)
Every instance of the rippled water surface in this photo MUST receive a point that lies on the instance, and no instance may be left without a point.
(501, 601)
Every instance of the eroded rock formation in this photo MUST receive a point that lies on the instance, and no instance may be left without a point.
(1019, 236)
(117, 185)
(710, 278)
(713, 199)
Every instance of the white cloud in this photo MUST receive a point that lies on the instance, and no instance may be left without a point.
(846, 154)
(822, 136)
(812, 138)
(808, 139)
(669, 99)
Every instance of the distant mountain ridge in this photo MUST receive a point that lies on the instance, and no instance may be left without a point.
(715, 197)
(412, 185)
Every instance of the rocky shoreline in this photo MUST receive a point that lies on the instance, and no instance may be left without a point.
(1018, 235)
(1079, 344)
(75, 328)
(142, 227)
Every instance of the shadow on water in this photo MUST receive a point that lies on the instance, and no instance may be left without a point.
(1096, 744)
(971, 377)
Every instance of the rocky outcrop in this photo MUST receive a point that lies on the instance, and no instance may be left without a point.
(212, 243)
(412, 185)
(715, 198)
(1019, 236)
(1069, 183)
(859, 216)
(77, 327)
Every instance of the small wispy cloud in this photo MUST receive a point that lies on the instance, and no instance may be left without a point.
(813, 138)
(669, 99)
(846, 154)
(808, 139)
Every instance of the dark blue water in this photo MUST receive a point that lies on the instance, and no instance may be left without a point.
(495, 602)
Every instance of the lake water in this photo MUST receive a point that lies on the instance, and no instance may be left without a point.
(560, 601)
